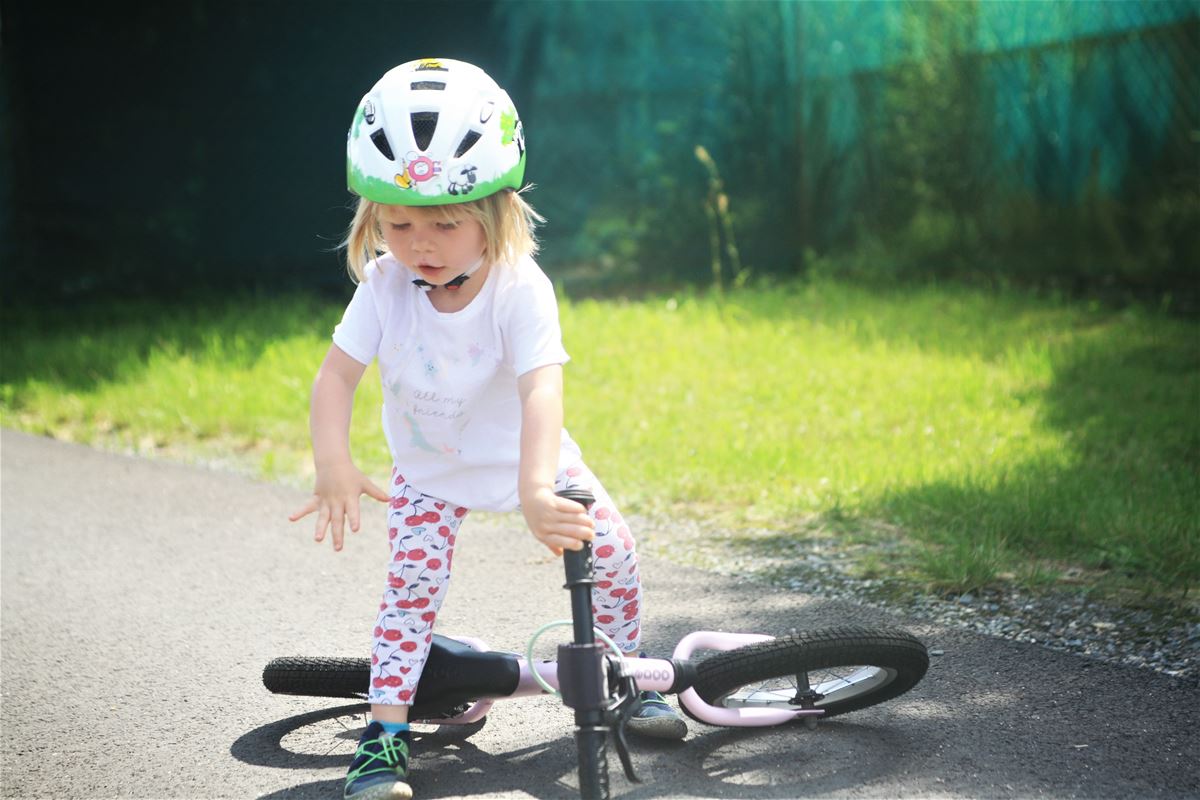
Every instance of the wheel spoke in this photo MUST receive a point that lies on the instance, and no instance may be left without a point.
(833, 684)
(854, 681)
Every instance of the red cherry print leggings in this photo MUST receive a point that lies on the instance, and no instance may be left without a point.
(423, 529)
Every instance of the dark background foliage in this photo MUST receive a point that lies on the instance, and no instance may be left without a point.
(171, 148)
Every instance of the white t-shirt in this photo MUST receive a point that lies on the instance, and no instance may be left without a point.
(451, 409)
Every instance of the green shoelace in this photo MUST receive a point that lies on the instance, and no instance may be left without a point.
(393, 752)
(654, 698)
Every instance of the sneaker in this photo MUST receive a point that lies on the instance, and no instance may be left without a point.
(380, 767)
(654, 717)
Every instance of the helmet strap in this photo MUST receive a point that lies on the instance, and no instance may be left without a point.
(452, 285)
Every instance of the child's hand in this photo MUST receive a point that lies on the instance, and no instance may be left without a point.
(556, 521)
(335, 498)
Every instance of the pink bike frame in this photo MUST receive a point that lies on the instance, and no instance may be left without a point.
(651, 674)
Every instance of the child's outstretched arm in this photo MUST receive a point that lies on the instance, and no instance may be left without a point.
(338, 483)
(554, 521)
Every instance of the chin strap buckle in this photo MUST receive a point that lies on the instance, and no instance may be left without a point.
(451, 285)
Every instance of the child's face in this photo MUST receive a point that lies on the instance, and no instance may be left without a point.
(435, 245)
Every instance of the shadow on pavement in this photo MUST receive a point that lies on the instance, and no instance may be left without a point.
(779, 762)
(264, 746)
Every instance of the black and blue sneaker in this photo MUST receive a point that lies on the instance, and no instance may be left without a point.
(655, 717)
(380, 767)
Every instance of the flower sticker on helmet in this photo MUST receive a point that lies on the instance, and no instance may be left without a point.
(423, 168)
(508, 124)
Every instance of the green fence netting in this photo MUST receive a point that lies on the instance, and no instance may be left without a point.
(1033, 140)
(157, 147)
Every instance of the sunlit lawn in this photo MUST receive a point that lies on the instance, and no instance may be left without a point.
(995, 435)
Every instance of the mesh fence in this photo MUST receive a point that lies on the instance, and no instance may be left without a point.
(1052, 142)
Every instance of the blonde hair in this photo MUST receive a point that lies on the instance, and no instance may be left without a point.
(507, 219)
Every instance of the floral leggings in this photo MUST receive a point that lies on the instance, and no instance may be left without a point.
(423, 529)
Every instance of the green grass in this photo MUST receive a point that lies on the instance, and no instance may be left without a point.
(983, 437)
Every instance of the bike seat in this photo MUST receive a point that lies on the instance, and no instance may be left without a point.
(456, 673)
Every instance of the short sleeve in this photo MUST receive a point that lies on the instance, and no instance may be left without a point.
(533, 336)
(360, 330)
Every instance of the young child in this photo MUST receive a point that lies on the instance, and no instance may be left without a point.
(465, 327)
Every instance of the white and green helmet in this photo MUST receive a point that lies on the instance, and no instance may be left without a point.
(433, 132)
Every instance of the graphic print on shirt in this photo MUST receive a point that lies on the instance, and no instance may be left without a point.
(434, 384)
(416, 438)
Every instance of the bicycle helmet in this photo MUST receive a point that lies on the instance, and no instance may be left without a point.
(434, 132)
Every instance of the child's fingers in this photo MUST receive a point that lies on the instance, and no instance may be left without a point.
(568, 528)
(575, 515)
(558, 542)
(352, 515)
(566, 506)
(322, 524)
(377, 493)
(308, 508)
(579, 529)
(562, 510)
(339, 515)
(558, 551)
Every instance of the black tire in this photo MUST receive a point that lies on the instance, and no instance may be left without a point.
(852, 667)
(318, 677)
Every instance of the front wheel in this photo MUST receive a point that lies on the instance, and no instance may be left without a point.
(836, 670)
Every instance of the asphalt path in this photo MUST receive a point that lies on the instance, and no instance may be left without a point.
(141, 599)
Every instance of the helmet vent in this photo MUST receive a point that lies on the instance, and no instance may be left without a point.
(424, 123)
(467, 143)
(382, 145)
(416, 86)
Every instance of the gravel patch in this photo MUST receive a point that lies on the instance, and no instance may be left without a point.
(1159, 640)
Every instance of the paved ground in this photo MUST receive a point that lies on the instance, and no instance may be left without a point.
(140, 601)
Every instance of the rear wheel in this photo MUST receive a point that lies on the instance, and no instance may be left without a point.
(312, 676)
(837, 670)
(318, 677)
